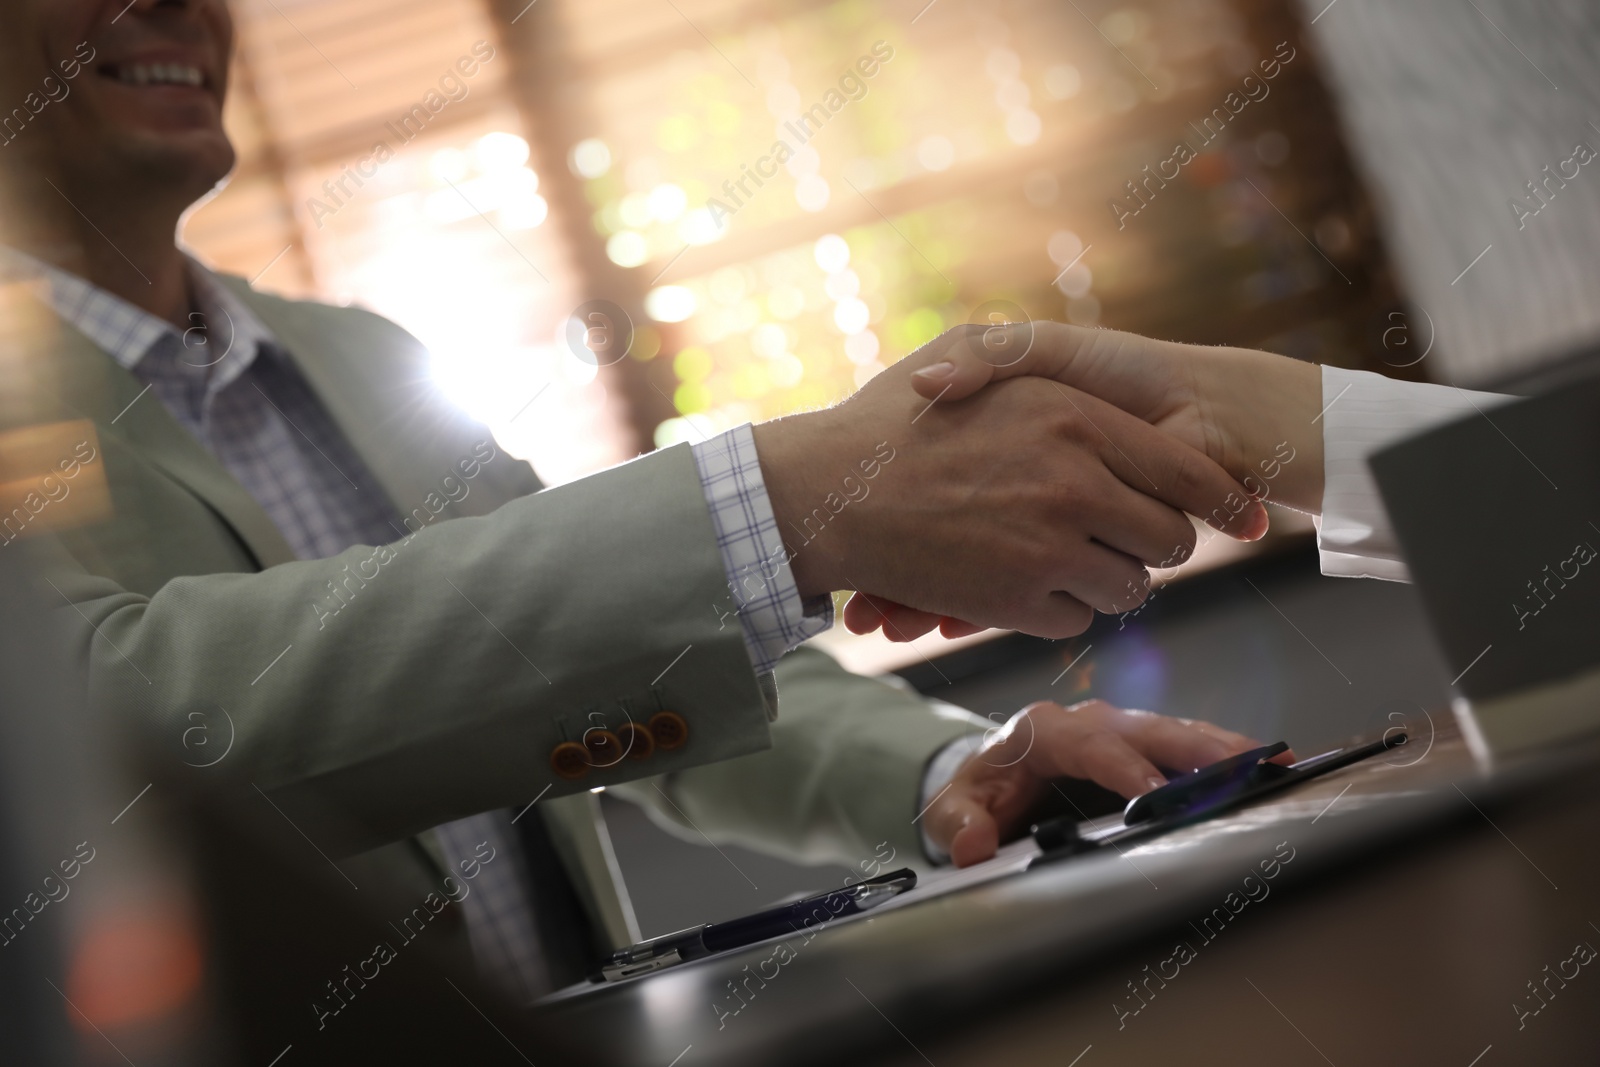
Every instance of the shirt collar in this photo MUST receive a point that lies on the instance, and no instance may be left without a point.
(225, 333)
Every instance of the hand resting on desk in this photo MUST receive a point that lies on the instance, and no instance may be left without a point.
(993, 796)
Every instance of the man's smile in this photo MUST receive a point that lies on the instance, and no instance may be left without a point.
(156, 73)
(169, 87)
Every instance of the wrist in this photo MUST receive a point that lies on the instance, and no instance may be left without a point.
(1264, 412)
(793, 454)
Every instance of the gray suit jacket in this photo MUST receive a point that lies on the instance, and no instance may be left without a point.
(506, 621)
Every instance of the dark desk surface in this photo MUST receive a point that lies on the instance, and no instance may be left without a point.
(1418, 905)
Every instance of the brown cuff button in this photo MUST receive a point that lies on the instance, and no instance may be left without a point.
(604, 748)
(669, 730)
(570, 760)
(636, 741)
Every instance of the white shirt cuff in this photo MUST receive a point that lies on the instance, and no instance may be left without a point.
(1362, 413)
(763, 595)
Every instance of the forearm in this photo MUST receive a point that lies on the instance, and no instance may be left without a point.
(802, 468)
(843, 776)
(454, 665)
(1264, 414)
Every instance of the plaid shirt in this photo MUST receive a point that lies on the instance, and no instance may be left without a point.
(761, 588)
(228, 382)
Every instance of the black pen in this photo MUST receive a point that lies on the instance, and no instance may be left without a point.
(699, 941)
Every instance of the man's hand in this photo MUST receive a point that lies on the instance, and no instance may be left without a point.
(992, 796)
(1252, 413)
(1027, 506)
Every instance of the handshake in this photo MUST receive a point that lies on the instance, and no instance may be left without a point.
(1039, 470)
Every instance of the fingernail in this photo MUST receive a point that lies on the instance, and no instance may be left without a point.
(1154, 783)
(936, 371)
(1260, 524)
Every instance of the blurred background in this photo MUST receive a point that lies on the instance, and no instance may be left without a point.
(597, 156)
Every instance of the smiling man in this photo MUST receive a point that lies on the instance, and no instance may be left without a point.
(53, 89)
(287, 552)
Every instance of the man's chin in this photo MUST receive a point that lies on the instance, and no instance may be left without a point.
(194, 161)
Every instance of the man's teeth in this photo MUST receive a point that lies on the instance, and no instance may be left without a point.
(160, 74)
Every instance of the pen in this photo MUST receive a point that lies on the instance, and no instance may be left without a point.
(699, 941)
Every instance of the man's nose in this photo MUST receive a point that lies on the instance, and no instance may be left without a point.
(150, 7)
(186, 12)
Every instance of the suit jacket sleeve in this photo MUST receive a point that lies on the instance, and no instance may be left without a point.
(844, 773)
(472, 648)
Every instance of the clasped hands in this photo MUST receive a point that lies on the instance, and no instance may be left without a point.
(1039, 469)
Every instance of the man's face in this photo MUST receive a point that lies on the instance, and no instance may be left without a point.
(148, 106)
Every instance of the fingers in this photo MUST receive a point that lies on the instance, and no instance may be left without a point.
(1055, 616)
(954, 628)
(970, 357)
(1106, 580)
(1176, 744)
(1141, 527)
(951, 378)
(863, 614)
(1179, 746)
(962, 824)
(1240, 742)
(1124, 750)
(1159, 465)
(1109, 760)
(977, 840)
(901, 623)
